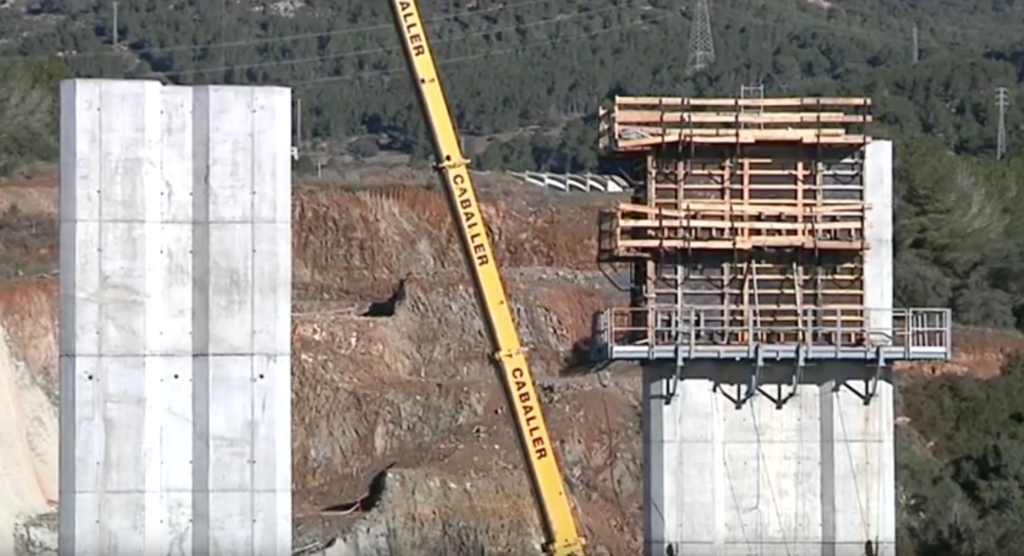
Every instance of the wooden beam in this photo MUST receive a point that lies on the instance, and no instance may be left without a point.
(744, 102)
(851, 208)
(747, 139)
(696, 224)
(768, 118)
(739, 243)
(729, 132)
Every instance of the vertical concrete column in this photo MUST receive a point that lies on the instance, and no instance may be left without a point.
(153, 441)
(858, 440)
(878, 265)
(242, 299)
(660, 465)
(722, 481)
(125, 318)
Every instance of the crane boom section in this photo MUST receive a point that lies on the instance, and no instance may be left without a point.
(563, 537)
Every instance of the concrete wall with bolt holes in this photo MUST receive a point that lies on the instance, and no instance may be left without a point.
(175, 300)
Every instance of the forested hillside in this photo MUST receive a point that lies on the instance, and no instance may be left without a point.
(525, 78)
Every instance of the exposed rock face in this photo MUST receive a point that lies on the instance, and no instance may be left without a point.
(36, 536)
(413, 387)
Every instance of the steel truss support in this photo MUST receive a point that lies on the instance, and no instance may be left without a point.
(677, 375)
(755, 378)
(800, 364)
(872, 386)
(871, 382)
(680, 361)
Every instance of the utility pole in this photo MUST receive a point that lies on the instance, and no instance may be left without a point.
(917, 46)
(223, 20)
(702, 45)
(298, 125)
(1002, 100)
(114, 42)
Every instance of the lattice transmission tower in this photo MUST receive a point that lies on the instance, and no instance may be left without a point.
(1002, 100)
(702, 46)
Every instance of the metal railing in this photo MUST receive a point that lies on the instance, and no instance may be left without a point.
(821, 332)
(589, 183)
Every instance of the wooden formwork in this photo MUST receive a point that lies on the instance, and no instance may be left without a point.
(780, 198)
(636, 124)
(720, 225)
(765, 233)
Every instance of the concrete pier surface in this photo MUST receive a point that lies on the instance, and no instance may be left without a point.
(175, 304)
(815, 476)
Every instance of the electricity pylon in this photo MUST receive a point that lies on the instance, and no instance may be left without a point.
(702, 46)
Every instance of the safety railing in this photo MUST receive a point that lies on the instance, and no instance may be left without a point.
(819, 332)
(590, 183)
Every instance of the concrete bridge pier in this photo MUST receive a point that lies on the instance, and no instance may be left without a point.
(811, 476)
(175, 309)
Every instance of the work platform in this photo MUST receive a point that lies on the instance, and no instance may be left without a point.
(758, 241)
(672, 333)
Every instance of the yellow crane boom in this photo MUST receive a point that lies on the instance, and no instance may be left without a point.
(563, 538)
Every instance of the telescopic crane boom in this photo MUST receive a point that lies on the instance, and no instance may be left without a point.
(563, 539)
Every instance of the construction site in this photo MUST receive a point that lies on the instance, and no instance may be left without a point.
(713, 349)
(247, 365)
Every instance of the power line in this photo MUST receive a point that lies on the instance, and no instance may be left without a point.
(872, 36)
(372, 73)
(875, 37)
(284, 38)
(384, 50)
(500, 52)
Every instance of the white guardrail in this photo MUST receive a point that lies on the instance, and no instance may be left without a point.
(589, 183)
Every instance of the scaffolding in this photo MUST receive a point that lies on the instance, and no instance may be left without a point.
(746, 234)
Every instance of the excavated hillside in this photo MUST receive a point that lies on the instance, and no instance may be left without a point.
(408, 386)
(402, 444)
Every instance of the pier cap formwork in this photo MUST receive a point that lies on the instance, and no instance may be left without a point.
(746, 235)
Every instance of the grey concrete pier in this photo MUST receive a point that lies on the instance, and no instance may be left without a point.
(777, 448)
(175, 304)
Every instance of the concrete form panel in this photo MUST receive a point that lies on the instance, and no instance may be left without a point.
(271, 259)
(229, 155)
(878, 269)
(811, 477)
(229, 296)
(175, 435)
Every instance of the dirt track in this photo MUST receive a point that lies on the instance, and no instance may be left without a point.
(415, 388)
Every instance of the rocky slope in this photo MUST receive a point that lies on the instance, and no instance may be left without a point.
(409, 390)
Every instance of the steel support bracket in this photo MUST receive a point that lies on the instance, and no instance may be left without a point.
(872, 383)
(755, 378)
(677, 375)
(798, 373)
